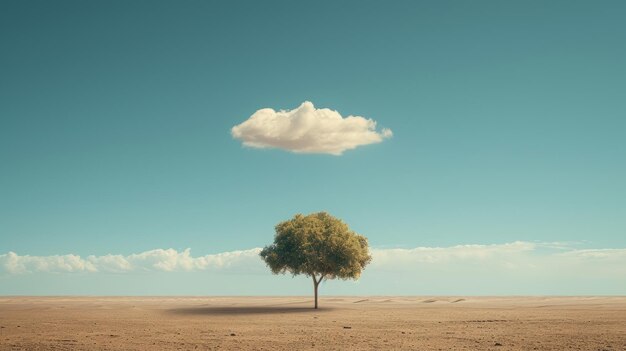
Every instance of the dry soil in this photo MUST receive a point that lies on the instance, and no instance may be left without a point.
(289, 323)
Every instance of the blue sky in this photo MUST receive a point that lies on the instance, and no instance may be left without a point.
(508, 120)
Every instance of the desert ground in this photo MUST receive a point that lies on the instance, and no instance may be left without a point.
(289, 323)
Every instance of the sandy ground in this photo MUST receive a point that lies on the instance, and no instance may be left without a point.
(288, 323)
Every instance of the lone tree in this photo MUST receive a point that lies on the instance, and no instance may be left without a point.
(317, 245)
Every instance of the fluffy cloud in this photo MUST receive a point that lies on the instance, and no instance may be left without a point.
(597, 254)
(308, 130)
(516, 268)
(442, 255)
(516, 255)
(14, 264)
(154, 260)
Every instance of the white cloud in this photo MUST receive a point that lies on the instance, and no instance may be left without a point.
(515, 255)
(15, 264)
(442, 255)
(516, 268)
(597, 254)
(308, 130)
(154, 260)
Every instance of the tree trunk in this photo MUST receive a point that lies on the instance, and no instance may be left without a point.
(316, 283)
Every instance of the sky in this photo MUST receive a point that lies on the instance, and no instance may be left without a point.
(479, 146)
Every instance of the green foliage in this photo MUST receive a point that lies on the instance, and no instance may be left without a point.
(317, 245)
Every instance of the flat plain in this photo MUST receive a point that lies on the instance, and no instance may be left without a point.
(289, 323)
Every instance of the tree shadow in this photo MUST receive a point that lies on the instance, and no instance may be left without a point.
(245, 310)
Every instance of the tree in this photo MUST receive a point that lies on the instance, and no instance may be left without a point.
(317, 245)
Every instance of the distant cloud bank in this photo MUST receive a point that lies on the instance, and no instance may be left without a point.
(307, 129)
(154, 260)
(517, 257)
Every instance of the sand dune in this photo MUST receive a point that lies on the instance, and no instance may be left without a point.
(288, 323)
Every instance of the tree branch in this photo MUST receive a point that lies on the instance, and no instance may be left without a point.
(317, 281)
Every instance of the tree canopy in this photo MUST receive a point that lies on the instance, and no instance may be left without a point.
(317, 245)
